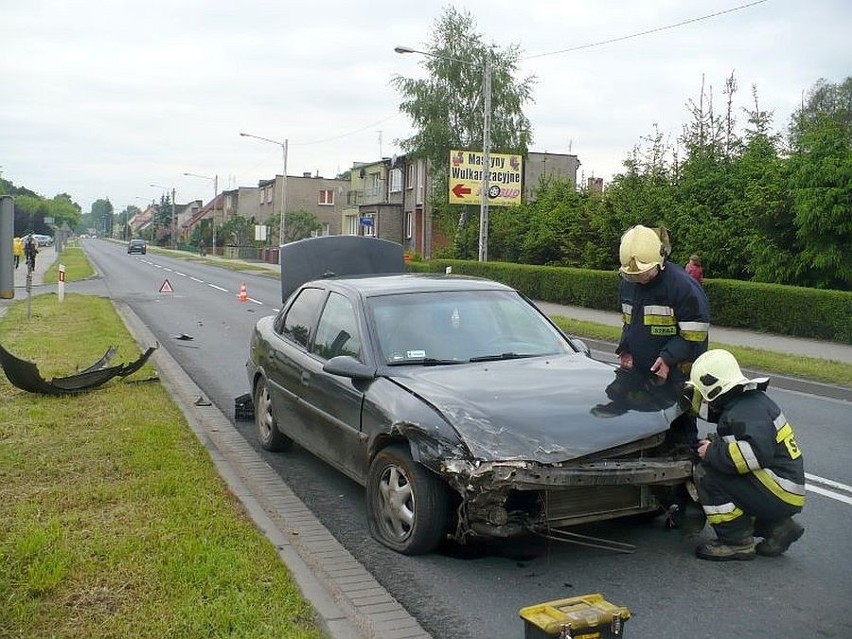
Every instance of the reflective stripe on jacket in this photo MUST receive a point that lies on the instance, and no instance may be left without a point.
(755, 437)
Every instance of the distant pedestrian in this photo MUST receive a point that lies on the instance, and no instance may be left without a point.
(30, 251)
(693, 267)
(18, 250)
(202, 248)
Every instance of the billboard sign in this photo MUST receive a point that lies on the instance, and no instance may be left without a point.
(504, 179)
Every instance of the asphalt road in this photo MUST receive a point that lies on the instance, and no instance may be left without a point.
(476, 591)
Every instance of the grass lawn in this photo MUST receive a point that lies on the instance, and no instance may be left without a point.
(831, 372)
(113, 519)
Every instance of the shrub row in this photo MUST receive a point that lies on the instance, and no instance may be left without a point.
(770, 308)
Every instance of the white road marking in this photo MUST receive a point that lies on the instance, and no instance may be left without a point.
(819, 490)
(218, 288)
(195, 279)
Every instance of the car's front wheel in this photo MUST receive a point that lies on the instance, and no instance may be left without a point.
(408, 507)
(264, 419)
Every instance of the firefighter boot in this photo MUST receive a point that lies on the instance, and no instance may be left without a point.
(781, 535)
(718, 550)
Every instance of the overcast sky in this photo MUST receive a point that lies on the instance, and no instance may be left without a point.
(101, 98)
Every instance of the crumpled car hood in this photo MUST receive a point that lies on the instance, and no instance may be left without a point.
(543, 409)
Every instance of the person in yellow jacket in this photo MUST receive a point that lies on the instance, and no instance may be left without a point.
(18, 250)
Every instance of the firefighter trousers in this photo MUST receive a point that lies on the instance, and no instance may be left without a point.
(738, 506)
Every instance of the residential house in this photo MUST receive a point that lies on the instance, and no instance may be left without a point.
(317, 195)
(142, 220)
(537, 165)
(374, 200)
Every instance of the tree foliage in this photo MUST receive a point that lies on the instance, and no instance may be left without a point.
(751, 203)
(447, 110)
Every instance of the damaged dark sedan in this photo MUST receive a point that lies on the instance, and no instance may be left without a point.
(462, 409)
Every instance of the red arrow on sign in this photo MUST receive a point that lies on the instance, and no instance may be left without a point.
(460, 190)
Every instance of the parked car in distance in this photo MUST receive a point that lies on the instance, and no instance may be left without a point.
(137, 246)
(42, 240)
(458, 405)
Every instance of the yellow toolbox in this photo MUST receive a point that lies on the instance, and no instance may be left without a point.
(583, 617)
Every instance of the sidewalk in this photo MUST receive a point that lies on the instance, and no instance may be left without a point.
(721, 335)
(45, 258)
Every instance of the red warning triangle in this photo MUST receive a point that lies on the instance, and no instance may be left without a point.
(166, 287)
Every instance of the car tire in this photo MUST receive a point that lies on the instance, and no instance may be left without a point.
(408, 506)
(270, 437)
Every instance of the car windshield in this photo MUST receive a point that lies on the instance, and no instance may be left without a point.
(449, 327)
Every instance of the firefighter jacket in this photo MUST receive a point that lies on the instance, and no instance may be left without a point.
(755, 437)
(668, 317)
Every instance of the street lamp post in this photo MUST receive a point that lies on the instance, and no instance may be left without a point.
(486, 139)
(283, 145)
(215, 180)
(174, 219)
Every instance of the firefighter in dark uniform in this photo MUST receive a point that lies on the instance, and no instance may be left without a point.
(665, 313)
(751, 478)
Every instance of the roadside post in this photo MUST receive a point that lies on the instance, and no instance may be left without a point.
(60, 283)
(7, 231)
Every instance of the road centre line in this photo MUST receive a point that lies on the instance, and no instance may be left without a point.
(816, 479)
(828, 482)
(218, 288)
(828, 493)
(195, 279)
(179, 273)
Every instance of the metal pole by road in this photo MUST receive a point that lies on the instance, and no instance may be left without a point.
(283, 145)
(486, 157)
(7, 239)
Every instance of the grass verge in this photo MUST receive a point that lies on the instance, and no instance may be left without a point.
(113, 520)
(77, 266)
(828, 371)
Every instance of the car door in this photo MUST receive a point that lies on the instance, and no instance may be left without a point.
(287, 357)
(330, 422)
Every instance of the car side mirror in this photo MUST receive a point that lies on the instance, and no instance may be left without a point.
(581, 346)
(348, 366)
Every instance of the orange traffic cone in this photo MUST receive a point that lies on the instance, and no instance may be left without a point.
(243, 294)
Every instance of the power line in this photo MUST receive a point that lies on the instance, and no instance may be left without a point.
(344, 135)
(650, 31)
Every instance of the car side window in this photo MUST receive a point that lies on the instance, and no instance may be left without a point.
(300, 317)
(337, 332)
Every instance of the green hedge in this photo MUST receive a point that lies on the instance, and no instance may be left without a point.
(771, 308)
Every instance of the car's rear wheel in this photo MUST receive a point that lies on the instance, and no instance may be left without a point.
(408, 507)
(267, 428)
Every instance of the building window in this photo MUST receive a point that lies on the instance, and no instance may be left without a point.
(409, 177)
(326, 197)
(409, 225)
(375, 184)
(395, 180)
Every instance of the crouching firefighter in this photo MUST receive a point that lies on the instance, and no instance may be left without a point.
(750, 478)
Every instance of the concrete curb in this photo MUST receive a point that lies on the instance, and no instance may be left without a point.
(349, 602)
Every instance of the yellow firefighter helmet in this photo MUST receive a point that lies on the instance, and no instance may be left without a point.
(641, 250)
